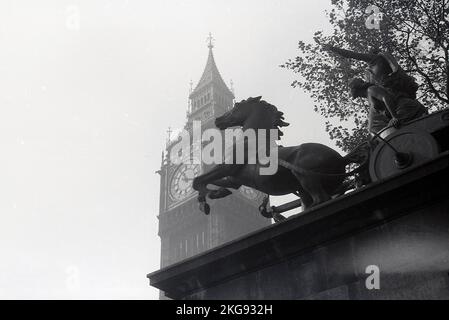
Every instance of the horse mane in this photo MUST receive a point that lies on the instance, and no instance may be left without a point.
(277, 116)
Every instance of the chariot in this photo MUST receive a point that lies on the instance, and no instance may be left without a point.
(394, 151)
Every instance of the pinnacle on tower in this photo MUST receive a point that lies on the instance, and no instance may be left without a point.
(210, 39)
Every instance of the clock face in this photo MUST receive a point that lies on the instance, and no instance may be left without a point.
(249, 193)
(181, 182)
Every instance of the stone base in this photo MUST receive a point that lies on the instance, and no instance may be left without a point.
(400, 225)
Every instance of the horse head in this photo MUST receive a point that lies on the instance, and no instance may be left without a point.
(252, 113)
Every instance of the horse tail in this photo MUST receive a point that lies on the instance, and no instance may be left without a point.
(359, 154)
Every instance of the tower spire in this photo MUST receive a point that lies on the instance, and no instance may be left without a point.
(210, 73)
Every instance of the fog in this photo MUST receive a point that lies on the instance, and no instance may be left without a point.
(87, 92)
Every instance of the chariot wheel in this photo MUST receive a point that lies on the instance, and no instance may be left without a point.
(401, 150)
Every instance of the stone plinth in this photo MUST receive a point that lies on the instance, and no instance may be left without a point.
(400, 225)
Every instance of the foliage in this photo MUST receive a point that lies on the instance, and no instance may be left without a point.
(416, 32)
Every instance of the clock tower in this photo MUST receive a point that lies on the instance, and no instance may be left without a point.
(184, 230)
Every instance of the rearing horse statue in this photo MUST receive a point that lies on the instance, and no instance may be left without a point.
(312, 171)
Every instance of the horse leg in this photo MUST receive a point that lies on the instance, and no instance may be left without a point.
(306, 199)
(269, 212)
(314, 187)
(265, 210)
(311, 191)
(227, 182)
(200, 183)
(224, 184)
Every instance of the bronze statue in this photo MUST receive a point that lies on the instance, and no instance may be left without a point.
(312, 171)
(383, 70)
(390, 91)
(386, 109)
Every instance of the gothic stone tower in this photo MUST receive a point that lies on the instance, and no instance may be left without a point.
(184, 230)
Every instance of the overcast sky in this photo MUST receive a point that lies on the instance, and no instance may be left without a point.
(87, 91)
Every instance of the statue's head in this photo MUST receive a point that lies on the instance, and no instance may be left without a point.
(255, 110)
(358, 87)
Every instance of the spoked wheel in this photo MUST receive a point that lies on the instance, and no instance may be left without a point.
(401, 150)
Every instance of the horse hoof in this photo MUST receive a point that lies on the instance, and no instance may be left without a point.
(277, 217)
(265, 213)
(204, 207)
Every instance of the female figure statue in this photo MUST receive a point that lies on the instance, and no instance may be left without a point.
(383, 70)
(386, 108)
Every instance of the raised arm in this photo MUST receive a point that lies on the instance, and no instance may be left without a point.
(367, 57)
(392, 62)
